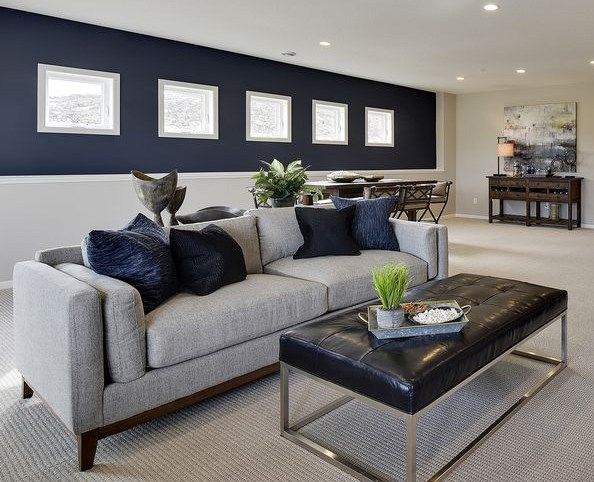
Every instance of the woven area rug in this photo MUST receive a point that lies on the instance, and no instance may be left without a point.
(235, 436)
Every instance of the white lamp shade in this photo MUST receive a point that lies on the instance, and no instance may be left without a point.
(505, 149)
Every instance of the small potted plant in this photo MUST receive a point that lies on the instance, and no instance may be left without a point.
(279, 185)
(390, 283)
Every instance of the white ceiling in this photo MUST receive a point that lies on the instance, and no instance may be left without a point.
(419, 43)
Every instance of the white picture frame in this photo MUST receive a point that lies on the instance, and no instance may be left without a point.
(267, 117)
(379, 127)
(56, 82)
(329, 122)
(206, 115)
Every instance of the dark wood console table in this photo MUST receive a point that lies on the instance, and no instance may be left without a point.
(537, 189)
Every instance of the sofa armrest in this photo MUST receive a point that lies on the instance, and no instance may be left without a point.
(426, 241)
(59, 342)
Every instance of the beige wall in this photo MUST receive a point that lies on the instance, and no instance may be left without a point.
(480, 121)
(45, 212)
(450, 148)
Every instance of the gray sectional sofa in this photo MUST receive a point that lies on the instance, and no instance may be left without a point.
(84, 345)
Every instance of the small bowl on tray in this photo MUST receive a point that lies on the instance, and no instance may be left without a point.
(449, 315)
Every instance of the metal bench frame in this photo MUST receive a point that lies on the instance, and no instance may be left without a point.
(291, 431)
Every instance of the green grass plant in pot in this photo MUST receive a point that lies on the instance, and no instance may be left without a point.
(279, 185)
(390, 283)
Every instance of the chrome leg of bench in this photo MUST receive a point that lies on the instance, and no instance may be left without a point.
(411, 448)
(490, 430)
(291, 431)
(564, 338)
(284, 397)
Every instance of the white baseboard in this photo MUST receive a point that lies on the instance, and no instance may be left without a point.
(477, 216)
(5, 285)
(470, 216)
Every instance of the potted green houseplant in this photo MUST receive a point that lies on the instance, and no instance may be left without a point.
(280, 185)
(390, 283)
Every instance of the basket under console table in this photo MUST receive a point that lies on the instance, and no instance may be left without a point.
(558, 190)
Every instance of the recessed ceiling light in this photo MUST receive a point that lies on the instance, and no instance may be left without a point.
(491, 7)
(323, 43)
(289, 53)
(520, 71)
(592, 62)
(459, 78)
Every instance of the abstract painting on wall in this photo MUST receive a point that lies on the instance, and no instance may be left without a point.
(544, 136)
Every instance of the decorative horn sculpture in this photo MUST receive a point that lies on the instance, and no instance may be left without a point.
(155, 194)
(176, 201)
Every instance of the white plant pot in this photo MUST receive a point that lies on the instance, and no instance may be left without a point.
(387, 319)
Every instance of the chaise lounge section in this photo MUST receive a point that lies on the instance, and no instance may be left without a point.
(85, 346)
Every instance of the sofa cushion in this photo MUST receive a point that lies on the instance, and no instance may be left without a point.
(278, 231)
(243, 230)
(123, 323)
(348, 279)
(188, 326)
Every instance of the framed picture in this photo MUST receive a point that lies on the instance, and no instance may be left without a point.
(544, 136)
(268, 117)
(379, 127)
(188, 110)
(330, 122)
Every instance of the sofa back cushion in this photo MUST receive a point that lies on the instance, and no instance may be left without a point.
(241, 229)
(62, 254)
(278, 231)
(124, 333)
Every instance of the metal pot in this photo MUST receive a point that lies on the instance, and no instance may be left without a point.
(285, 202)
(387, 319)
(554, 211)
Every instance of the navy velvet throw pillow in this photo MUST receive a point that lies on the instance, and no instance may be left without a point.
(207, 259)
(326, 232)
(137, 254)
(371, 226)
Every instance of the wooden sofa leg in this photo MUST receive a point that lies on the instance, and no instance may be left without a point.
(27, 390)
(87, 446)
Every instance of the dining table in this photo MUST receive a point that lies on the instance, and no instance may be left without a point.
(355, 188)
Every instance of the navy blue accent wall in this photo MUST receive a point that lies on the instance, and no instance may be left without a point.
(28, 39)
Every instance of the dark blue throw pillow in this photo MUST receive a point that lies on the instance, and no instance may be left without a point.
(371, 226)
(137, 254)
(206, 260)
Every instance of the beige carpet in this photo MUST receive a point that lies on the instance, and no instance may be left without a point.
(235, 436)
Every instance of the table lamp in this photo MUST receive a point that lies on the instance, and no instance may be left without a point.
(504, 149)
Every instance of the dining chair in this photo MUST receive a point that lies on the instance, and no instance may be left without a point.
(440, 195)
(414, 198)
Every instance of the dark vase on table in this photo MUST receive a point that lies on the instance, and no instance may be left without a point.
(285, 202)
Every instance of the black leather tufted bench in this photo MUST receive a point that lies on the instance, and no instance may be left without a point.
(410, 375)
